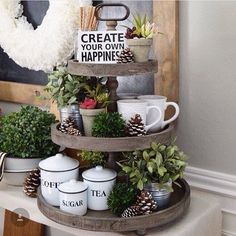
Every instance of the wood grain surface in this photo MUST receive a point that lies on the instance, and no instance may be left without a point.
(110, 144)
(21, 93)
(74, 67)
(106, 221)
(15, 225)
(166, 46)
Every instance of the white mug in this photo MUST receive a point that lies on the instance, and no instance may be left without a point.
(161, 102)
(128, 108)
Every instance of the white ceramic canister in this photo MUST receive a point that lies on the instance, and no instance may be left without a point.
(73, 197)
(56, 170)
(100, 183)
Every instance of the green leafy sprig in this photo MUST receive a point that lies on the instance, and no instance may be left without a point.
(157, 164)
(63, 87)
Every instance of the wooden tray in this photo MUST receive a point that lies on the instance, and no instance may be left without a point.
(110, 144)
(85, 69)
(106, 221)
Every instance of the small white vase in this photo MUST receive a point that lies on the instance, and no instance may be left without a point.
(140, 48)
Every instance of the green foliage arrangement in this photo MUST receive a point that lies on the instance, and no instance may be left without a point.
(142, 28)
(121, 197)
(97, 91)
(63, 87)
(108, 124)
(27, 133)
(93, 158)
(157, 164)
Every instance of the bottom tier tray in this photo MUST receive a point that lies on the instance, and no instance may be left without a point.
(106, 221)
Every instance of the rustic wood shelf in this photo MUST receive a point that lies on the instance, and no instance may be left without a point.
(110, 144)
(112, 70)
(106, 221)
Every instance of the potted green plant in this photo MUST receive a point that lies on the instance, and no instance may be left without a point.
(93, 158)
(155, 169)
(95, 102)
(67, 91)
(139, 37)
(108, 124)
(25, 137)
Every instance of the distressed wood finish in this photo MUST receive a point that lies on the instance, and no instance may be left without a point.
(112, 70)
(22, 93)
(106, 221)
(14, 227)
(166, 15)
(110, 144)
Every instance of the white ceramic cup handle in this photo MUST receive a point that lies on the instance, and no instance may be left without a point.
(176, 106)
(147, 127)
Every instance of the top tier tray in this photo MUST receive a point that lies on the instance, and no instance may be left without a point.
(110, 144)
(112, 70)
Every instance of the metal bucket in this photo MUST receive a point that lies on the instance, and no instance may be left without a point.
(161, 196)
(73, 112)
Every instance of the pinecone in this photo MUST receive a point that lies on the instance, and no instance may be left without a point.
(135, 126)
(32, 183)
(145, 203)
(68, 126)
(130, 211)
(143, 206)
(126, 56)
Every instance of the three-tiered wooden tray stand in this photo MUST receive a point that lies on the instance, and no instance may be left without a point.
(105, 220)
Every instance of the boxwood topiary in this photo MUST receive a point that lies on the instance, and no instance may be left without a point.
(109, 124)
(27, 133)
(122, 196)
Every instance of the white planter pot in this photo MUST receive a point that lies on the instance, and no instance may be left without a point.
(55, 171)
(140, 48)
(73, 197)
(15, 178)
(100, 182)
(17, 163)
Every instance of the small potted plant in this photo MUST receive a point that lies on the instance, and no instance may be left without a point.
(26, 138)
(95, 102)
(93, 158)
(108, 124)
(155, 169)
(139, 37)
(67, 91)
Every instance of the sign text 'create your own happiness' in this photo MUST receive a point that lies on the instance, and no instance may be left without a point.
(100, 46)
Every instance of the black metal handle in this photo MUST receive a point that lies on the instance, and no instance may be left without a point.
(98, 7)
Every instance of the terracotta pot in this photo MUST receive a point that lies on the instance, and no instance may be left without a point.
(88, 116)
(140, 47)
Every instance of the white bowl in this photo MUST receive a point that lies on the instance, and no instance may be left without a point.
(15, 178)
(18, 164)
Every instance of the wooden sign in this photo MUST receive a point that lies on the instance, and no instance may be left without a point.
(100, 46)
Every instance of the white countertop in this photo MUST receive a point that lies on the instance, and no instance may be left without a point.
(202, 219)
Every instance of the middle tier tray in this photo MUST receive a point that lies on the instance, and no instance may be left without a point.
(110, 144)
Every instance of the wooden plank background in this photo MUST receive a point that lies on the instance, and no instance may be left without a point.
(166, 46)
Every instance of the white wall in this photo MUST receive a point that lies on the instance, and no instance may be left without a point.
(206, 129)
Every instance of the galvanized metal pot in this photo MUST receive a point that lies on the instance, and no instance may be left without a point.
(161, 196)
(73, 112)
